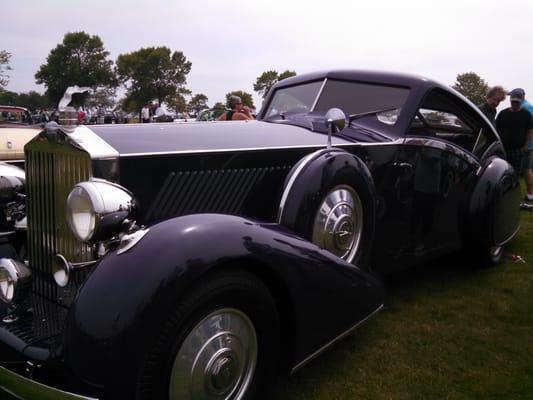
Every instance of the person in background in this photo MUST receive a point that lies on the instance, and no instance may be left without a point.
(528, 165)
(494, 97)
(515, 126)
(145, 114)
(237, 111)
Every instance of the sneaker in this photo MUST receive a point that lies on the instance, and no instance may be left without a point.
(527, 199)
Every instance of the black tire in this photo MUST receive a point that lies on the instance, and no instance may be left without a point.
(234, 293)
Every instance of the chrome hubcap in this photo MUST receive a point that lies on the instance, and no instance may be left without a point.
(217, 358)
(339, 223)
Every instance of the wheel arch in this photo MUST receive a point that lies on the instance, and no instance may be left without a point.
(309, 182)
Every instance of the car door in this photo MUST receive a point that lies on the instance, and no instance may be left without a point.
(438, 154)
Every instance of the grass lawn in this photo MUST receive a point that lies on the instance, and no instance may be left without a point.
(448, 331)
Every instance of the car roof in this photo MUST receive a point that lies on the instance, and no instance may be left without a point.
(383, 77)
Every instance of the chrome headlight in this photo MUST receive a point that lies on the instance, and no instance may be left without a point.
(14, 277)
(98, 210)
(12, 181)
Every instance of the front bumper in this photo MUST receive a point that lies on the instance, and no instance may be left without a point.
(25, 388)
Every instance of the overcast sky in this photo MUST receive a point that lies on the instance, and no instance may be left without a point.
(231, 43)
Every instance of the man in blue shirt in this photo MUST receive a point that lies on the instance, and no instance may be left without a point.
(529, 156)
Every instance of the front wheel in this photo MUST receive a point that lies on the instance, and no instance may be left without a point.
(219, 344)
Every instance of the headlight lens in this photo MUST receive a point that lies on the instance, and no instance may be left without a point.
(7, 286)
(97, 210)
(81, 216)
(15, 278)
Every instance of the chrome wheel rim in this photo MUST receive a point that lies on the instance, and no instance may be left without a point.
(339, 223)
(217, 359)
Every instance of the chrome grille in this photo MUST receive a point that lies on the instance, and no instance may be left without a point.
(52, 169)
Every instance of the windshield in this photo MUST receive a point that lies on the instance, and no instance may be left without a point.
(299, 98)
(361, 98)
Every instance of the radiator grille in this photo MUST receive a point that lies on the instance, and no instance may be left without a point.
(52, 169)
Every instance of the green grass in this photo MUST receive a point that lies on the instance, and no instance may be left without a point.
(448, 331)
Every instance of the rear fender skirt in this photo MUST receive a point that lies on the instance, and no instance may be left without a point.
(494, 208)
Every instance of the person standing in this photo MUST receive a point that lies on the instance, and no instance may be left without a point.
(526, 105)
(515, 126)
(238, 112)
(145, 114)
(494, 97)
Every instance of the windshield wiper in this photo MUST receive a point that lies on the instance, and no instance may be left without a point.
(353, 117)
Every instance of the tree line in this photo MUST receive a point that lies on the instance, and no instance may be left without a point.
(147, 74)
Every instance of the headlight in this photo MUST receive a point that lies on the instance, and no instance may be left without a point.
(12, 180)
(14, 278)
(97, 210)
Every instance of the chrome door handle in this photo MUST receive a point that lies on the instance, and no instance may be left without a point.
(9, 144)
(404, 165)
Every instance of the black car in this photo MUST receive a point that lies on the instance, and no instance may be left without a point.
(191, 261)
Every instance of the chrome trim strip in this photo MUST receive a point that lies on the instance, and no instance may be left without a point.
(130, 240)
(318, 94)
(91, 142)
(335, 143)
(331, 343)
(510, 237)
(445, 146)
(305, 161)
(24, 388)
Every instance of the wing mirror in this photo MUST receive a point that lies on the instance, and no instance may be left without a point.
(335, 122)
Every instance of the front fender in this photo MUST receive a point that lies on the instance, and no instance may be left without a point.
(129, 296)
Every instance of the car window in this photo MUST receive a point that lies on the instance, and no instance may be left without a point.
(446, 116)
(298, 98)
(12, 116)
(360, 98)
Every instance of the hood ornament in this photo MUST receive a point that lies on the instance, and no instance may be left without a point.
(67, 114)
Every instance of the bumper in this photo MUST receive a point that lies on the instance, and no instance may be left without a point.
(24, 388)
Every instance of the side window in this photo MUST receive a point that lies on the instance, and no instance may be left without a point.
(443, 115)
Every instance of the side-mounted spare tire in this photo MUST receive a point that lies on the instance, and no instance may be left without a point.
(329, 199)
(493, 211)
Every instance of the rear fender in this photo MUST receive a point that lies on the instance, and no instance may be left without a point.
(494, 209)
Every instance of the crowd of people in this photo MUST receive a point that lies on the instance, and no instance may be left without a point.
(515, 127)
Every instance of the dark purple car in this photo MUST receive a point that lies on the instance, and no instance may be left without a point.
(192, 261)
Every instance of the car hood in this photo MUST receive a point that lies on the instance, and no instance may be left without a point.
(198, 137)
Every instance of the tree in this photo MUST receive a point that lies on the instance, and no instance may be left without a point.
(153, 73)
(4, 66)
(79, 60)
(104, 96)
(198, 102)
(246, 98)
(33, 100)
(8, 98)
(178, 104)
(268, 79)
(471, 86)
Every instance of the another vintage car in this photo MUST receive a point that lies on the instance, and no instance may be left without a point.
(189, 261)
(16, 129)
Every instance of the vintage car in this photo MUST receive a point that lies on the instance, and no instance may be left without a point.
(191, 261)
(16, 129)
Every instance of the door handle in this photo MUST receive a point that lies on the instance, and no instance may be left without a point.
(404, 165)
(9, 144)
